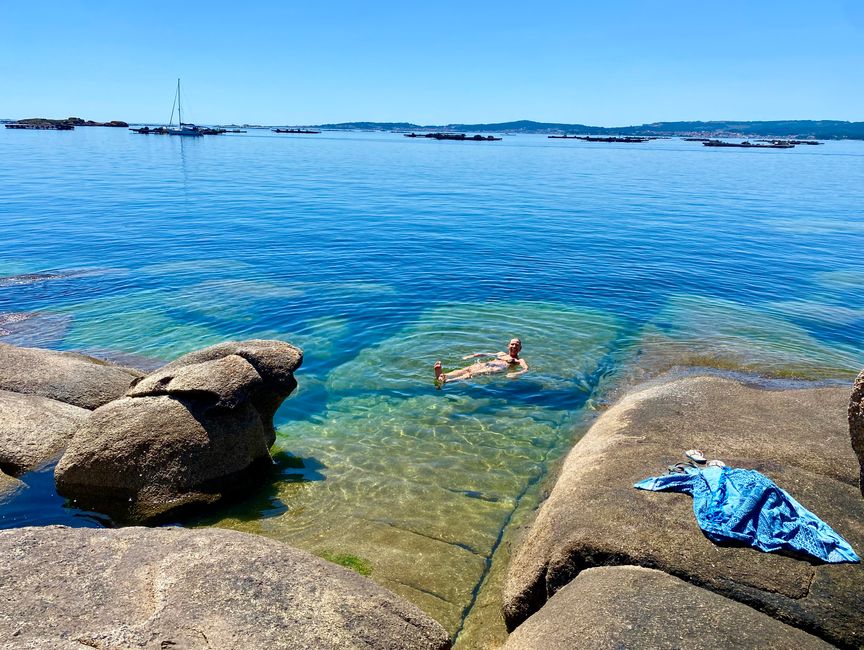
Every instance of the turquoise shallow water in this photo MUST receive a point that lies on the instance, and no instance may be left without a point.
(379, 254)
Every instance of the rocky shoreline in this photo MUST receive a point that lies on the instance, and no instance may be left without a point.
(601, 566)
(594, 530)
(139, 448)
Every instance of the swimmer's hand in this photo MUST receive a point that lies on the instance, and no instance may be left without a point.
(478, 354)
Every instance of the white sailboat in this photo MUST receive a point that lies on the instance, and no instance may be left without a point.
(181, 128)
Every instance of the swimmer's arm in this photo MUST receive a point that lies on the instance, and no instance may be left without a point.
(524, 365)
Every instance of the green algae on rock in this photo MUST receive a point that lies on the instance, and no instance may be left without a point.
(358, 564)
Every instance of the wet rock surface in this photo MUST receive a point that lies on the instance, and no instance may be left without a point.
(34, 430)
(67, 377)
(632, 607)
(9, 487)
(856, 424)
(203, 588)
(191, 433)
(594, 517)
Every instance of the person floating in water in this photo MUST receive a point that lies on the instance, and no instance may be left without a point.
(501, 362)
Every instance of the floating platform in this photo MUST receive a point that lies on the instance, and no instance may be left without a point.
(146, 130)
(747, 145)
(454, 136)
(589, 138)
(792, 142)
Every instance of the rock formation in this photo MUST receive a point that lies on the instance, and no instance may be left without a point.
(193, 589)
(67, 377)
(34, 430)
(594, 517)
(609, 608)
(856, 425)
(190, 433)
(274, 361)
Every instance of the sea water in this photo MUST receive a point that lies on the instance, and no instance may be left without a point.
(378, 255)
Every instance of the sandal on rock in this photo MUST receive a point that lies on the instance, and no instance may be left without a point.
(695, 455)
(681, 468)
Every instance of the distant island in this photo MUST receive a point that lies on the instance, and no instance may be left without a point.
(820, 129)
(61, 124)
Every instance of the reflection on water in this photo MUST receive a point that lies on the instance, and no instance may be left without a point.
(378, 257)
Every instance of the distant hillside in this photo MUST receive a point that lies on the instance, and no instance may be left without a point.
(821, 129)
(374, 126)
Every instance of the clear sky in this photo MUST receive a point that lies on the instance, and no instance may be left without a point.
(609, 63)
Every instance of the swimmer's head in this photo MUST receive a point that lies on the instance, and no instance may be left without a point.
(514, 345)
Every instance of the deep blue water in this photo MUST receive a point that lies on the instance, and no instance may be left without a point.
(379, 254)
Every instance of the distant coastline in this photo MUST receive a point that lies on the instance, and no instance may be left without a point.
(819, 129)
(797, 129)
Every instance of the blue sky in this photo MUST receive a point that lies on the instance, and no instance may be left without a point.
(608, 63)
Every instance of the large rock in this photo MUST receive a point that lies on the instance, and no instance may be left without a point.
(34, 430)
(201, 588)
(594, 516)
(274, 361)
(68, 377)
(190, 433)
(609, 608)
(856, 425)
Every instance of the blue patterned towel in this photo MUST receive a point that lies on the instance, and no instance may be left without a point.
(744, 506)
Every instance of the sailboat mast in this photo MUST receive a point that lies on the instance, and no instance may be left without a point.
(179, 114)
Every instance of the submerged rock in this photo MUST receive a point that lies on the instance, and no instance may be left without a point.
(8, 318)
(201, 588)
(68, 377)
(37, 330)
(856, 425)
(28, 278)
(630, 607)
(594, 517)
(34, 430)
(192, 432)
(9, 487)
